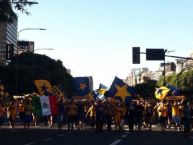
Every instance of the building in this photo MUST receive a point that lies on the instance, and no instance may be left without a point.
(170, 67)
(8, 40)
(180, 64)
(137, 76)
(155, 75)
(25, 46)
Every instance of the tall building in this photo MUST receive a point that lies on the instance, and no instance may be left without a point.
(8, 40)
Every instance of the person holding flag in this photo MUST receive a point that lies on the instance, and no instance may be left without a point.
(162, 113)
(118, 115)
(109, 113)
(60, 117)
(71, 114)
(12, 113)
(91, 114)
(21, 109)
(99, 116)
(28, 113)
(176, 115)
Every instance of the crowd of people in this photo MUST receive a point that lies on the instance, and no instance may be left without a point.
(109, 114)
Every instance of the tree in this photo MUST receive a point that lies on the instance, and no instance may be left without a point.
(33, 67)
(183, 80)
(170, 79)
(146, 89)
(6, 8)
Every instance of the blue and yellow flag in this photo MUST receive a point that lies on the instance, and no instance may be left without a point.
(101, 91)
(173, 90)
(81, 86)
(121, 90)
(161, 92)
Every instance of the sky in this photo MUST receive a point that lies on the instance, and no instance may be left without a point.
(95, 37)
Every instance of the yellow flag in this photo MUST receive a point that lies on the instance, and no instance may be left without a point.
(43, 87)
(161, 92)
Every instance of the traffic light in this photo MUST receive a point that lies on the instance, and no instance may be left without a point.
(136, 55)
(9, 51)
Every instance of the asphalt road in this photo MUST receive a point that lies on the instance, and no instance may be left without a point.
(46, 136)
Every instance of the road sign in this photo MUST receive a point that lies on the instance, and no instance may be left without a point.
(155, 54)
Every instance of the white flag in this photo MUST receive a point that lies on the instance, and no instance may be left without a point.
(45, 104)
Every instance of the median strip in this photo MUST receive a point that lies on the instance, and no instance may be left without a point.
(47, 139)
(31, 143)
(124, 136)
(116, 142)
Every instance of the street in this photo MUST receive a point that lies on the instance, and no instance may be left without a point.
(51, 136)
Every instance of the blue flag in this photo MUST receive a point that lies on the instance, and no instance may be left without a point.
(121, 90)
(81, 86)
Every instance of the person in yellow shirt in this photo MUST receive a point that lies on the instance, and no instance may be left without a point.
(162, 114)
(71, 114)
(118, 115)
(12, 113)
(176, 115)
(91, 114)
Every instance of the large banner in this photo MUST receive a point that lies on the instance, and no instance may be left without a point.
(53, 105)
(45, 104)
(37, 109)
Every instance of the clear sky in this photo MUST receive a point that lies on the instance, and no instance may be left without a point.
(95, 37)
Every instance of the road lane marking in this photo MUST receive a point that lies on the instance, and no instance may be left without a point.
(31, 143)
(61, 135)
(47, 139)
(124, 136)
(116, 142)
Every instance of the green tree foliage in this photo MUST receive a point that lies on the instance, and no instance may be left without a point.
(33, 67)
(6, 8)
(183, 81)
(160, 82)
(170, 79)
(147, 89)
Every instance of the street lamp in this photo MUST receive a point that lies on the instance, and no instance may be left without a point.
(28, 2)
(17, 61)
(28, 29)
(43, 49)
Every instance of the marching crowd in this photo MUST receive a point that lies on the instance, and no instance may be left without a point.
(103, 114)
